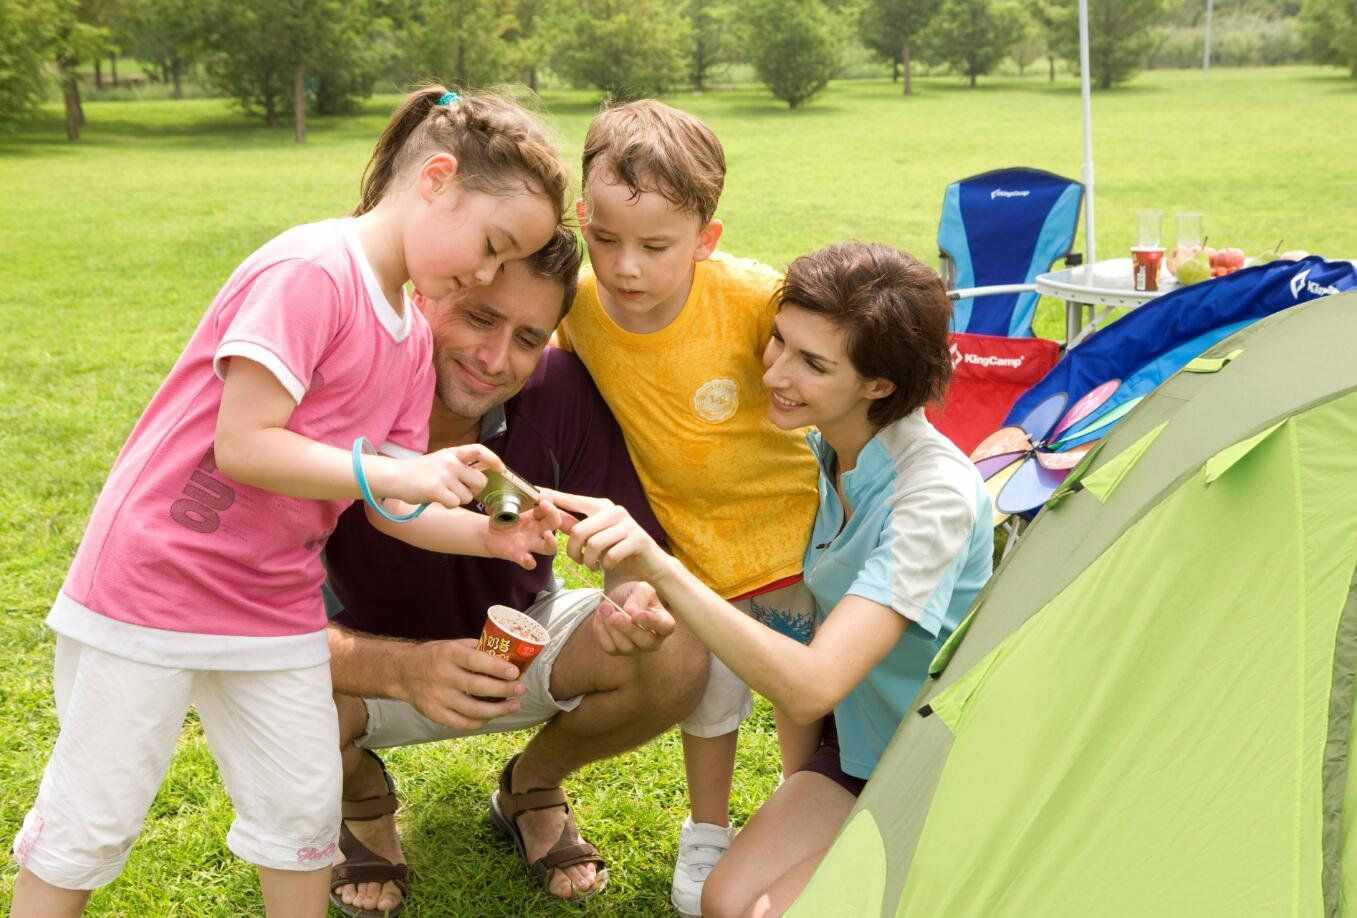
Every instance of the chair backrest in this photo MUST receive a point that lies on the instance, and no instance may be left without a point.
(1005, 227)
(989, 374)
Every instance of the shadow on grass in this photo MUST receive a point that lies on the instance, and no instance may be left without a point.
(112, 125)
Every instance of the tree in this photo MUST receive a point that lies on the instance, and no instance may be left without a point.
(890, 27)
(28, 33)
(466, 43)
(627, 48)
(1330, 27)
(796, 46)
(1120, 36)
(1028, 45)
(1049, 20)
(271, 55)
(711, 22)
(167, 34)
(972, 36)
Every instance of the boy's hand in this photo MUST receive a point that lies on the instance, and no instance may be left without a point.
(533, 534)
(451, 477)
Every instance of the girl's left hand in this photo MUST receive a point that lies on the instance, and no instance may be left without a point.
(534, 533)
(608, 538)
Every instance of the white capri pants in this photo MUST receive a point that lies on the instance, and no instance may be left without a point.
(727, 701)
(274, 735)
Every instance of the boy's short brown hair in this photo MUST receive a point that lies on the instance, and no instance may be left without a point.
(559, 260)
(894, 312)
(649, 146)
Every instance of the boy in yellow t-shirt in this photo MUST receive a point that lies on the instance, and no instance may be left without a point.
(673, 335)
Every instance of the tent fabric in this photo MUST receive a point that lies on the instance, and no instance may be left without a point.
(1005, 227)
(1120, 643)
(1149, 345)
(1110, 475)
(1137, 761)
(989, 373)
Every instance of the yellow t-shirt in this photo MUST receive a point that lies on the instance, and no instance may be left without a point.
(736, 495)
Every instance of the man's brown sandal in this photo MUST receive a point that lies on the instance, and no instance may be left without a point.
(569, 849)
(361, 863)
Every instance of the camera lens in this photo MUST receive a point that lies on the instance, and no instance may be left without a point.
(506, 508)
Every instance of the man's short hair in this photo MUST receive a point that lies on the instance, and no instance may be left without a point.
(559, 260)
(649, 146)
(894, 312)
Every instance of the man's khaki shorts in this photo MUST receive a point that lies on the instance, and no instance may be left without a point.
(396, 723)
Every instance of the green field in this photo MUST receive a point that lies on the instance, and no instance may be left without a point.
(111, 249)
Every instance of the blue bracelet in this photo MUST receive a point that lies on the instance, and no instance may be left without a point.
(364, 490)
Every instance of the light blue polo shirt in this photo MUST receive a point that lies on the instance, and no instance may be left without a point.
(919, 541)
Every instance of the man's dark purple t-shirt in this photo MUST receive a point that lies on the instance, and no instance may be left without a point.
(556, 432)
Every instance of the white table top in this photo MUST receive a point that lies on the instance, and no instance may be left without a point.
(1103, 283)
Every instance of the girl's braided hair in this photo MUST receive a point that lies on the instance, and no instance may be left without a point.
(501, 148)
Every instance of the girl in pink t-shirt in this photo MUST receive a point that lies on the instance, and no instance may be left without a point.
(198, 579)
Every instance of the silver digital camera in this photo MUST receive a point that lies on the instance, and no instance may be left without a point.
(506, 496)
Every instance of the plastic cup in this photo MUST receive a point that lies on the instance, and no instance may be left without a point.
(1149, 224)
(513, 636)
(1189, 229)
(1145, 261)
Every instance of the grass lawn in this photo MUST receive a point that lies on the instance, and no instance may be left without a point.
(111, 249)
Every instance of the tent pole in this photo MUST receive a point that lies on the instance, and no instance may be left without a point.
(1091, 250)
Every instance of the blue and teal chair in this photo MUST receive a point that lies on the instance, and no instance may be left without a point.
(999, 230)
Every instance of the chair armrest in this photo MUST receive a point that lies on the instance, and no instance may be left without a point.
(966, 292)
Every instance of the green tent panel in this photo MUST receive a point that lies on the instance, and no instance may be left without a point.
(1150, 710)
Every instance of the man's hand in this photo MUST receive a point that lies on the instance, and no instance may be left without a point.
(533, 534)
(444, 675)
(631, 620)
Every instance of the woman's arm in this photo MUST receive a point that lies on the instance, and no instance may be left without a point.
(803, 681)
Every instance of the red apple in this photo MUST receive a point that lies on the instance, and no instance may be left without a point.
(1230, 259)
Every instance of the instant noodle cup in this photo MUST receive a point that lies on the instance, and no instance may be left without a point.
(513, 636)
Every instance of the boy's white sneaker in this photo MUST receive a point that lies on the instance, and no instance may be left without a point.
(701, 845)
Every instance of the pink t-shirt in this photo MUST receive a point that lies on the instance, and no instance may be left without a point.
(182, 566)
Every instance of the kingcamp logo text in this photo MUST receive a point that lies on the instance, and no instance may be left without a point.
(977, 360)
(1005, 193)
(1301, 282)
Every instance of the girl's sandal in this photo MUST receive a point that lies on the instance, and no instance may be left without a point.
(570, 849)
(361, 863)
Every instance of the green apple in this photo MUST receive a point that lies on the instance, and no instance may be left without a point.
(1194, 270)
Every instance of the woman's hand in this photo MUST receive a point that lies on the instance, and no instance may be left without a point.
(632, 620)
(533, 534)
(607, 538)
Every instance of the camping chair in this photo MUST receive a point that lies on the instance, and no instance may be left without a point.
(998, 231)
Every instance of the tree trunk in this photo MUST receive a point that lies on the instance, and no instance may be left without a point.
(270, 101)
(895, 70)
(532, 78)
(904, 65)
(177, 75)
(113, 66)
(972, 74)
(1051, 60)
(70, 91)
(98, 74)
(299, 103)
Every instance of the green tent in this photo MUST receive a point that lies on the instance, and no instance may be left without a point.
(1148, 711)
